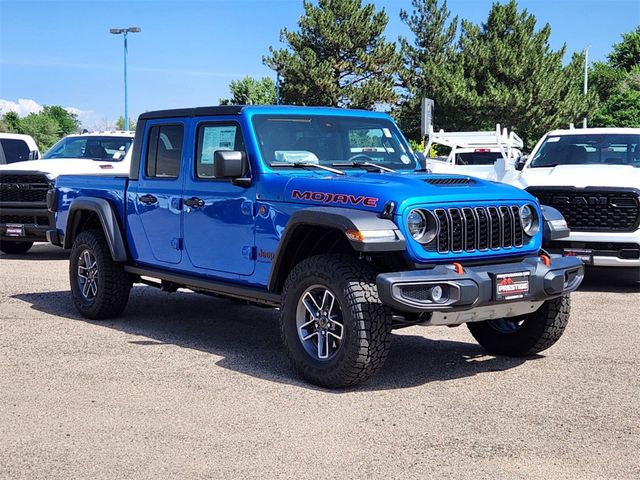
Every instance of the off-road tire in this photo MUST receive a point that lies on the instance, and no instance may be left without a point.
(15, 248)
(367, 323)
(114, 284)
(539, 330)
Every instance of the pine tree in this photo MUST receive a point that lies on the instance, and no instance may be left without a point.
(338, 57)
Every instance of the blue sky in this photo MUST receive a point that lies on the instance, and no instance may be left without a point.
(61, 52)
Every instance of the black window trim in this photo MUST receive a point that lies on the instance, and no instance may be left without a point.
(146, 153)
(222, 122)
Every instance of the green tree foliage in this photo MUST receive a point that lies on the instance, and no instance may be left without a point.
(68, 122)
(503, 71)
(46, 127)
(626, 54)
(251, 91)
(425, 60)
(11, 122)
(338, 57)
(617, 84)
(120, 124)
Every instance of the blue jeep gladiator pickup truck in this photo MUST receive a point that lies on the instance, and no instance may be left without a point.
(326, 214)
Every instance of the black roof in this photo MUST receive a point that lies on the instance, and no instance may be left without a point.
(193, 112)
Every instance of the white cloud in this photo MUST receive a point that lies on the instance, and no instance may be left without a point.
(23, 107)
(89, 119)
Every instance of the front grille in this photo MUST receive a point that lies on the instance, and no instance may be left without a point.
(481, 228)
(21, 187)
(593, 209)
(450, 181)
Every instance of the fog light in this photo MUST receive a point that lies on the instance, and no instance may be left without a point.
(436, 293)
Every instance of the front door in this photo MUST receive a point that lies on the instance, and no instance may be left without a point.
(158, 194)
(218, 215)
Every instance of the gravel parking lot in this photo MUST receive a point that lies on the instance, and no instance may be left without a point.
(187, 386)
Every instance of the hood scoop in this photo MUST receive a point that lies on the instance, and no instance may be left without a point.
(449, 181)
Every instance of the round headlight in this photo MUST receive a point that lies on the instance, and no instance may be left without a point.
(422, 225)
(529, 220)
(417, 224)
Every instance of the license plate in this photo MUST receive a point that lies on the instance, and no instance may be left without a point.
(510, 286)
(585, 255)
(15, 230)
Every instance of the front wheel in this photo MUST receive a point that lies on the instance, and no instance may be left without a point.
(100, 287)
(336, 331)
(12, 247)
(526, 334)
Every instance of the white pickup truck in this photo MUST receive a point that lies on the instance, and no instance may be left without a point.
(491, 155)
(24, 218)
(592, 176)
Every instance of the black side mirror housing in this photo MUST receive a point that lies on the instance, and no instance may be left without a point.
(520, 162)
(229, 164)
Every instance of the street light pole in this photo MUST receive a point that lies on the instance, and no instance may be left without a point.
(124, 32)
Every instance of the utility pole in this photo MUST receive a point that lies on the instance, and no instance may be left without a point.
(586, 80)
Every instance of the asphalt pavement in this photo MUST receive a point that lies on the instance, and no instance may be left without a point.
(187, 386)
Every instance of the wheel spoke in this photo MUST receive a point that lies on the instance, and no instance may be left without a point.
(94, 288)
(85, 288)
(329, 299)
(323, 346)
(87, 259)
(310, 336)
(81, 273)
(311, 305)
(336, 334)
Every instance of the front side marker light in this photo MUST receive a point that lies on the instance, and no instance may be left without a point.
(372, 235)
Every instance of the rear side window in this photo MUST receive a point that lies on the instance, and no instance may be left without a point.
(164, 151)
(211, 138)
(15, 150)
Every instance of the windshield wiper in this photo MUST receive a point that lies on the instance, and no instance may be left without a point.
(307, 165)
(364, 165)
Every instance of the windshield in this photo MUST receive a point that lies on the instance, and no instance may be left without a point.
(589, 149)
(328, 140)
(109, 148)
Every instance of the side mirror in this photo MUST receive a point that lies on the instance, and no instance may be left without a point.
(34, 155)
(520, 162)
(229, 164)
(422, 160)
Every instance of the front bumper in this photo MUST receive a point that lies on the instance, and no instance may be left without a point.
(610, 249)
(474, 289)
(35, 222)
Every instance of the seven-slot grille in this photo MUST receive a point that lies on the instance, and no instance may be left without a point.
(22, 187)
(592, 209)
(479, 228)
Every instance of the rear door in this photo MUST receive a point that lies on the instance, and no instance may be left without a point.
(218, 218)
(157, 195)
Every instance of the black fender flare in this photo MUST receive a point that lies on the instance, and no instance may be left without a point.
(342, 219)
(108, 219)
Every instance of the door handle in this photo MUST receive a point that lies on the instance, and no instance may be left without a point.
(148, 199)
(194, 202)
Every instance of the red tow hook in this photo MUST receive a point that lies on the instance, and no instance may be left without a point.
(458, 268)
(545, 259)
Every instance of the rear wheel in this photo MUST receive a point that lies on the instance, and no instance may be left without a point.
(525, 334)
(13, 247)
(100, 287)
(334, 327)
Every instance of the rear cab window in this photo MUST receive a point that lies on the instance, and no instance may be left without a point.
(164, 151)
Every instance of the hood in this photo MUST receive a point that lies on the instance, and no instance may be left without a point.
(580, 176)
(370, 191)
(70, 166)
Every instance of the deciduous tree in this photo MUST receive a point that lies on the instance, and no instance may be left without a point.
(251, 91)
